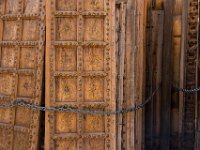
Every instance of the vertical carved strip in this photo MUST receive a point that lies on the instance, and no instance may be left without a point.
(198, 103)
(191, 78)
(80, 68)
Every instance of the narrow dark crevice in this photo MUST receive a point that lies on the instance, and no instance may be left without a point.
(42, 113)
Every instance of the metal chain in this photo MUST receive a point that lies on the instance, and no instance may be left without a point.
(80, 111)
(184, 90)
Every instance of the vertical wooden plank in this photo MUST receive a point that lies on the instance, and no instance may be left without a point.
(157, 47)
(121, 13)
(182, 66)
(80, 73)
(129, 76)
(149, 78)
(178, 7)
(140, 71)
(21, 71)
(176, 57)
(135, 66)
(118, 117)
(154, 57)
(166, 75)
(47, 74)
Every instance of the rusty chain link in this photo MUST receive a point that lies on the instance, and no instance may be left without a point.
(81, 111)
(97, 112)
(185, 90)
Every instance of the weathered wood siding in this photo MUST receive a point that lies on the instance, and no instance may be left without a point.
(135, 71)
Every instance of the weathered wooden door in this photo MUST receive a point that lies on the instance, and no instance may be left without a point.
(80, 73)
(21, 71)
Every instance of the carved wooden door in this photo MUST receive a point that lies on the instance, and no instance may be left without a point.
(21, 71)
(80, 73)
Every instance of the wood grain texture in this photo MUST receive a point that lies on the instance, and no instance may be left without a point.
(80, 73)
(158, 4)
(191, 76)
(135, 75)
(154, 57)
(21, 64)
(176, 67)
(120, 42)
(166, 75)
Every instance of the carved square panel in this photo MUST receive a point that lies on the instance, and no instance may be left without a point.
(66, 5)
(94, 144)
(5, 138)
(8, 57)
(12, 6)
(66, 122)
(94, 5)
(66, 144)
(21, 140)
(29, 30)
(24, 121)
(66, 89)
(31, 6)
(27, 58)
(5, 114)
(66, 29)
(6, 84)
(94, 89)
(94, 123)
(93, 29)
(25, 86)
(93, 59)
(10, 31)
(66, 59)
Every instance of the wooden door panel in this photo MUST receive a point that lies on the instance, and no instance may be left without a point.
(21, 71)
(80, 73)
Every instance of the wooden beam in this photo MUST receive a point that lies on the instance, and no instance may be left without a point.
(120, 23)
(129, 76)
(157, 45)
(182, 64)
(176, 56)
(135, 71)
(166, 75)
